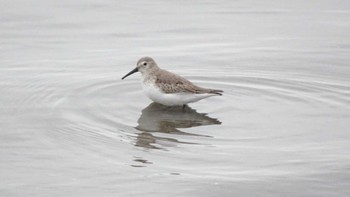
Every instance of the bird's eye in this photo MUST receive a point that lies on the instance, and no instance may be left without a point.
(145, 63)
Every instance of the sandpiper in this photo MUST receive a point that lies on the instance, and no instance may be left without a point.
(167, 88)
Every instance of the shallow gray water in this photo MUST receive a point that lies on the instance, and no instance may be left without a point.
(71, 127)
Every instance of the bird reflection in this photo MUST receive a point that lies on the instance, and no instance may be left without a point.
(157, 118)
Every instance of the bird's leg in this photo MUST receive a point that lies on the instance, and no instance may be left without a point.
(183, 107)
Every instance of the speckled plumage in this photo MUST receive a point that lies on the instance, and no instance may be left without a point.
(168, 88)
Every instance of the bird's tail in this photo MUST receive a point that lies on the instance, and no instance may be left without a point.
(208, 91)
(218, 92)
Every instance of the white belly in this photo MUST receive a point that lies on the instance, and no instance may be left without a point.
(156, 95)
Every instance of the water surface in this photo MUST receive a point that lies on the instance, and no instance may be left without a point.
(71, 127)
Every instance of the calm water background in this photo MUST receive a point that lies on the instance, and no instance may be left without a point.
(71, 127)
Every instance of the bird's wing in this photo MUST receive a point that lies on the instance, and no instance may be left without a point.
(172, 83)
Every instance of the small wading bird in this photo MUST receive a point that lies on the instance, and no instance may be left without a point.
(167, 88)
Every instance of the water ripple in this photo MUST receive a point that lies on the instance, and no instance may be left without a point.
(112, 108)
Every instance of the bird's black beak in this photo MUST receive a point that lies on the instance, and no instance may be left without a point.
(131, 72)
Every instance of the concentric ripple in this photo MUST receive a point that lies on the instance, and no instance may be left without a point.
(119, 110)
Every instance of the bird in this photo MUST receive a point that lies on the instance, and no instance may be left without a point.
(168, 88)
